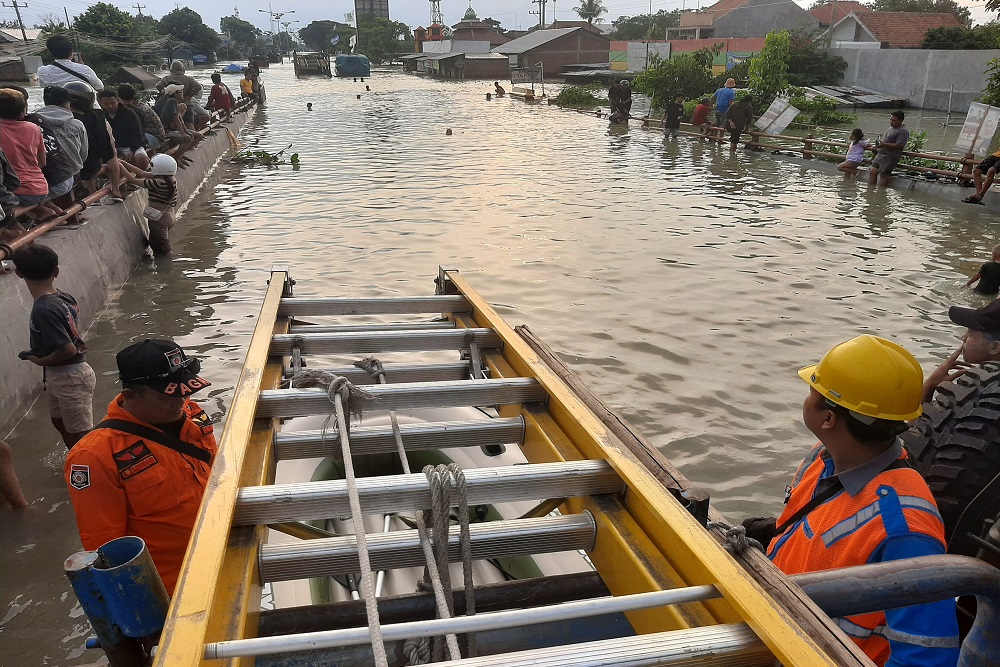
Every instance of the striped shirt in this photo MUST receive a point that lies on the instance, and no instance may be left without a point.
(162, 190)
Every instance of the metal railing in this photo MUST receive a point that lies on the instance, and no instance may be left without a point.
(8, 249)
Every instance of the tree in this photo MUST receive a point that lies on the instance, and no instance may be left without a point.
(769, 69)
(590, 10)
(186, 24)
(645, 26)
(51, 23)
(981, 37)
(494, 25)
(242, 34)
(685, 74)
(317, 35)
(104, 20)
(927, 6)
(379, 38)
(991, 93)
(809, 65)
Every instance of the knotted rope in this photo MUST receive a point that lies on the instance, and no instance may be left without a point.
(418, 650)
(736, 540)
(341, 393)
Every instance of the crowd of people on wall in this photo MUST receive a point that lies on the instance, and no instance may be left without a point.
(86, 135)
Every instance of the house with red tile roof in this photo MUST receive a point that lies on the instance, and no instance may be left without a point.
(837, 10)
(891, 30)
(743, 19)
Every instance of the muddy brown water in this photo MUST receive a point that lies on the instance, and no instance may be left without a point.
(684, 284)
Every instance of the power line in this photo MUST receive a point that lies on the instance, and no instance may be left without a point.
(139, 8)
(17, 10)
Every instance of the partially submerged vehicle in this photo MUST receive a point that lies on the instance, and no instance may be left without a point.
(352, 64)
(463, 494)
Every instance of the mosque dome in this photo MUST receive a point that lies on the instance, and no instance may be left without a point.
(470, 14)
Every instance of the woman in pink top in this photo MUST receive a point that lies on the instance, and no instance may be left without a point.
(22, 142)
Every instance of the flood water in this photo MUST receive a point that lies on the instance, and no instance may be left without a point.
(684, 284)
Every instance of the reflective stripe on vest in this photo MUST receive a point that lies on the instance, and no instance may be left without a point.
(866, 514)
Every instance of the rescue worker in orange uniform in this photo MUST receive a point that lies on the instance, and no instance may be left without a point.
(855, 500)
(143, 470)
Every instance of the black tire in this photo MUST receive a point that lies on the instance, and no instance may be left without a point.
(955, 445)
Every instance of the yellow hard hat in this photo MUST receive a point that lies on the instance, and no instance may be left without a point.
(871, 376)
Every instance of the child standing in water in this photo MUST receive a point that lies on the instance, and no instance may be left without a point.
(988, 276)
(855, 153)
(161, 185)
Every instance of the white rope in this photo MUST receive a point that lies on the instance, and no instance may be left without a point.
(418, 651)
(340, 392)
(736, 538)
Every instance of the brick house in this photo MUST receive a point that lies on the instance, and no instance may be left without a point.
(889, 30)
(557, 48)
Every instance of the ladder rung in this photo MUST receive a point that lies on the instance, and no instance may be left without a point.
(356, 342)
(304, 501)
(387, 551)
(394, 374)
(341, 328)
(416, 437)
(406, 396)
(304, 307)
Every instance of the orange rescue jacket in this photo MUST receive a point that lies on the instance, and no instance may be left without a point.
(847, 530)
(121, 484)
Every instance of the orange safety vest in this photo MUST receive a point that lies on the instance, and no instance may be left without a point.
(121, 484)
(847, 530)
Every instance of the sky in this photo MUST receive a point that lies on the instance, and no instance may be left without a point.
(513, 14)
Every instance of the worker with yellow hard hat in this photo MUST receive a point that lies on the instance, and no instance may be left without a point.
(855, 500)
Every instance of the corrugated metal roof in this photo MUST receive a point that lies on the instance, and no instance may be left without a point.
(414, 56)
(532, 40)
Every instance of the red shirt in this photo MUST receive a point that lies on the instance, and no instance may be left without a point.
(219, 97)
(22, 142)
(121, 484)
(701, 114)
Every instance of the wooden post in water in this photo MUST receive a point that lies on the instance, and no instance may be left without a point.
(966, 172)
(807, 147)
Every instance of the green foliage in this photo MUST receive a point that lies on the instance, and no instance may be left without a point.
(579, 97)
(104, 20)
(590, 10)
(809, 65)
(981, 37)
(927, 6)
(264, 158)
(683, 75)
(740, 72)
(379, 38)
(242, 34)
(186, 24)
(818, 110)
(645, 26)
(317, 34)
(991, 93)
(768, 70)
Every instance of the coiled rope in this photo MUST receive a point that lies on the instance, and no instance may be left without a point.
(420, 651)
(736, 540)
(341, 393)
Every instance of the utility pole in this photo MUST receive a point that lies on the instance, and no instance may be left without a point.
(17, 9)
(69, 26)
(541, 12)
(139, 8)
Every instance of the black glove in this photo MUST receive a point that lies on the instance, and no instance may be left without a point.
(761, 528)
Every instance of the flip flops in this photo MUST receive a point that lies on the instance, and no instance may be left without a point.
(972, 199)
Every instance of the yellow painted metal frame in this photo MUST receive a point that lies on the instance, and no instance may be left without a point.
(685, 548)
(218, 593)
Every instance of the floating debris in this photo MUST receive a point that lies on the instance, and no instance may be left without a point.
(264, 158)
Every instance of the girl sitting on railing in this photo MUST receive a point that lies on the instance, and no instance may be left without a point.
(855, 153)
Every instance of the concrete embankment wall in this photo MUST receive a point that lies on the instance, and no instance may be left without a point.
(923, 76)
(95, 260)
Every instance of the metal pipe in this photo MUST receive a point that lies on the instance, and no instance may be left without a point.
(462, 624)
(277, 503)
(902, 583)
(380, 440)
(405, 396)
(413, 305)
(403, 373)
(366, 342)
(380, 577)
(340, 328)
(399, 549)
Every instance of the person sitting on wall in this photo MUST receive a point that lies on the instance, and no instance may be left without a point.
(987, 167)
(24, 146)
(101, 155)
(145, 474)
(499, 89)
(126, 129)
(65, 159)
(152, 127)
(246, 85)
(192, 92)
(171, 109)
(220, 99)
(700, 117)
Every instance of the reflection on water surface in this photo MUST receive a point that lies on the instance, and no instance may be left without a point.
(684, 284)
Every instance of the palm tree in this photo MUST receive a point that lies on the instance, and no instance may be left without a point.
(590, 10)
